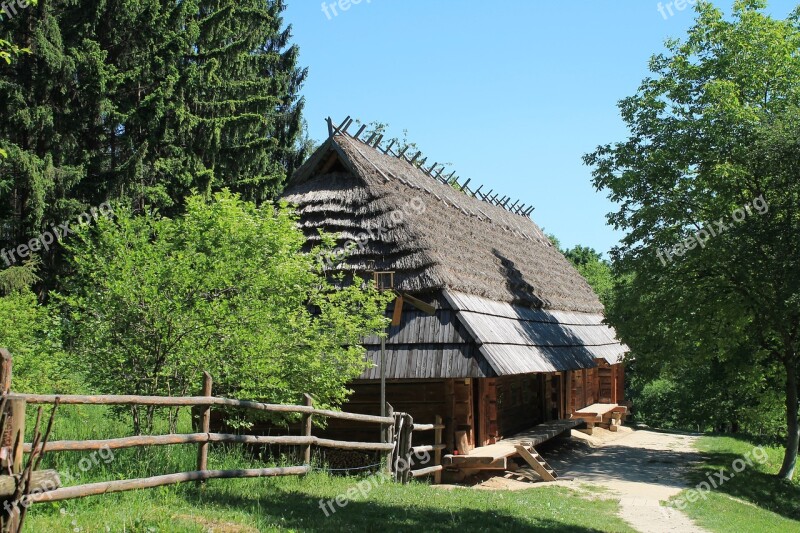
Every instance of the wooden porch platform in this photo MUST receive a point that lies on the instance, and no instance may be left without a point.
(495, 456)
(543, 432)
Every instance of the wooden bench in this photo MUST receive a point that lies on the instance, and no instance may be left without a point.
(603, 414)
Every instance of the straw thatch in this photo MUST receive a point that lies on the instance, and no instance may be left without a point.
(432, 235)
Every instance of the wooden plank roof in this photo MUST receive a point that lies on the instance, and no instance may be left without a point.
(520, 340)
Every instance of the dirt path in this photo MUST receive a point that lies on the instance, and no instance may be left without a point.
(643, 468)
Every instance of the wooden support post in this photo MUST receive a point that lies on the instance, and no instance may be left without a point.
(202, 450)
(437, 454)
(307, 425)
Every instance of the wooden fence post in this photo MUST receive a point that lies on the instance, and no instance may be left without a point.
(408, 428)
(202, 450)
(307, 426)
(397, 440)
(404, 428)
(437, 454)
(12, 438)
(389, 436)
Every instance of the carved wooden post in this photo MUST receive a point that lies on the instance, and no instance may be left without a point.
(202, 450)
(307, 425)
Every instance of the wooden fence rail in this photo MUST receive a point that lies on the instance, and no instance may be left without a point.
(396, 434)
(106, 487)
(191, 401)
(205, 438)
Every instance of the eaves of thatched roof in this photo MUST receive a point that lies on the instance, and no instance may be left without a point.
(508, 302)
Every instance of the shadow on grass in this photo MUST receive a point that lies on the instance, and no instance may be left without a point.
(751, 485)
(298, 511)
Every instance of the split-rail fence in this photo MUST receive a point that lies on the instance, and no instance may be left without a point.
(26, 485)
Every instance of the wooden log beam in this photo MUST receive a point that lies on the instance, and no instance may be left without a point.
(199, 438)
(107, 487)
(428, 448)
(188, 401)
(427, 427)
(41, 481)
(426, 471)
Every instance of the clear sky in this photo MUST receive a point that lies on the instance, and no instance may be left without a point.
(511, 92)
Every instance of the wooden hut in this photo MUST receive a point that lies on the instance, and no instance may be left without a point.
(516, 337)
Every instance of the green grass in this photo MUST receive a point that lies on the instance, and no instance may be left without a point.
(288, 504)
(754, 500)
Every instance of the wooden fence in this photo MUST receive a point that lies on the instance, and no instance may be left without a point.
(25, 486)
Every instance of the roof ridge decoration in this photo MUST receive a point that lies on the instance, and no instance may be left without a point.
(434, 172)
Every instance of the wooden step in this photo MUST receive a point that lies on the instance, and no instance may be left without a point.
(539, 465)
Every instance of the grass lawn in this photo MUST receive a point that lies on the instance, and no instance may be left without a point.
(751, 501)
(287, 504)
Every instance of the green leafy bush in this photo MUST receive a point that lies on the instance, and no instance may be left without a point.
(225, 288)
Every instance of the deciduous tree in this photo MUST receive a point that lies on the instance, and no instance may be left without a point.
(224, 288)
(709, 174)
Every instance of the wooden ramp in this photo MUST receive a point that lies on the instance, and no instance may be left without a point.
(496, 456)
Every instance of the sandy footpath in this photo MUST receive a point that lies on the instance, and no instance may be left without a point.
(642, 468)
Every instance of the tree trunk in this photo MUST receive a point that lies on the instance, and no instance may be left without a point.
(792, 421)
(137, 424)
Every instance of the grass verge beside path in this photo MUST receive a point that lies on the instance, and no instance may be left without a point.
(753, 500)
(285, 504)
(292, 504)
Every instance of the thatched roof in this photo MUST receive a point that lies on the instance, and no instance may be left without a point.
(432, 235)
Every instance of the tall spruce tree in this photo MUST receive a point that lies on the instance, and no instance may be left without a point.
(36, 89)
(143, 102)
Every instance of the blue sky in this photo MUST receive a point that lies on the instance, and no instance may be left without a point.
(511, 92)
